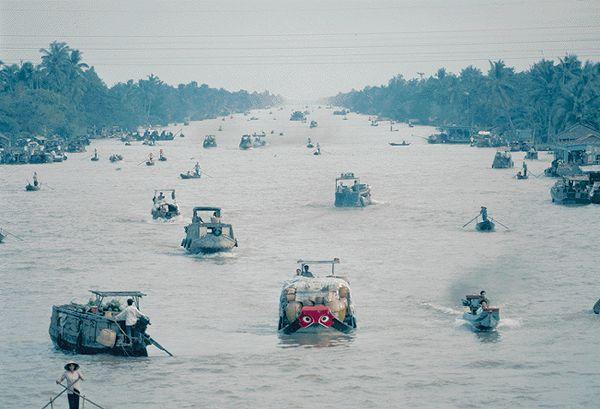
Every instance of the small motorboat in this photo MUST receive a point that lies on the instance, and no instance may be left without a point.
(208, 235)
(115, 158)
(91, 329)
(404, 143)
(312, 304)
(210, 141)
(259, 141)
(482, 319)
(349, 192)
(246, 142)
(164, 207)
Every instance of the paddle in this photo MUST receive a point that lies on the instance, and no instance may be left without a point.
(53, 399)
(470, 221)
(14, 235)
(156, 344)
(506, 227)
(82, 397)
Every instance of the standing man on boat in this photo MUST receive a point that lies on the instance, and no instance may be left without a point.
(483, 213)
(197, 168)
(524, 169)
(35, 179)
(306, 272)
(73, 376)
(215, 218)
(131, 315)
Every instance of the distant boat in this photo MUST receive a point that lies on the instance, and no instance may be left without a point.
(502, 160)
(404, 143)
(245, 142)
(210, 141)
(349, 192)
(33, 188)
(164, 207)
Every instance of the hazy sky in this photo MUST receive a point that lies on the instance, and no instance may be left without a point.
(301, 49)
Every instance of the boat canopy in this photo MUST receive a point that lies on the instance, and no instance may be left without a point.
(136, 295)
(347, 176)
(308, 262)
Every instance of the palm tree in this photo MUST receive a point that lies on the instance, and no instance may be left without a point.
(55, 65)
(502, 88)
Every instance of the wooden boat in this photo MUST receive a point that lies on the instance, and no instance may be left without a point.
(481, 319)
(246, 142)
(33, 188)
(95, 158)
(115, 158)
(90, 329)
(2, 235)
(190, 175)
(161, 156)
(485, 225)
(349, 192)
(210, 235)
(314, 304)
(502, 160)
(150, 162)
(313, 124)
(572, 190)
(521, 176)
(597, 307)
(404, 143)
(209, 142)
(164, 207)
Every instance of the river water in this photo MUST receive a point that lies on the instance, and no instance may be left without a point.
(408, 260)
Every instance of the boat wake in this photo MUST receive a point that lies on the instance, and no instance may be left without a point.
(509, 323)
(443, 309)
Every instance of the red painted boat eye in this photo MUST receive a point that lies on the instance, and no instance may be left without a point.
(324, 319)
(307, 319)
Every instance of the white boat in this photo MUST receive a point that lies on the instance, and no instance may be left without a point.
(482, 319)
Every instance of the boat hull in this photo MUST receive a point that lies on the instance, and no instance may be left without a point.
(79, 332)
(192, 176)
(208, 244)
(569, 197)
(483, 320)
(32, 188)
(487, 225)
(352, 199)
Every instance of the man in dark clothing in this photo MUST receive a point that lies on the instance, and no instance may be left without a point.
(306, 272)
(484, 301)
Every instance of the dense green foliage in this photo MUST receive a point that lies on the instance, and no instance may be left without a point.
(64, 96)
(545, 99)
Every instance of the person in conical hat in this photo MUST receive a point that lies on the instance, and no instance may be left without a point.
(74, 377)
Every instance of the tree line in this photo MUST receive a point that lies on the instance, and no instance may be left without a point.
(546, 98)
(64, 96)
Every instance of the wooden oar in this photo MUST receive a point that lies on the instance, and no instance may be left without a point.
(506, 227)
(14, 235)
(156, 344)
(82, 397)
(470, 221)
(53, 399)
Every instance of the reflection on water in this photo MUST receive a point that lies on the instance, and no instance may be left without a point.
(488, 336)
